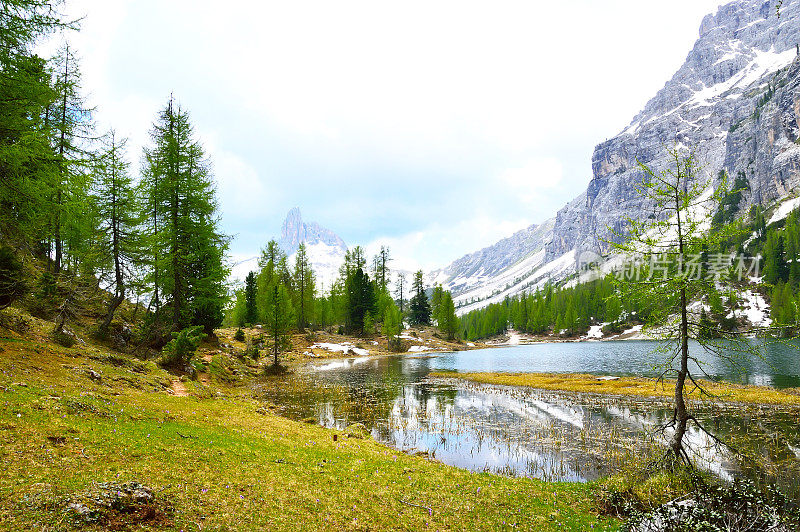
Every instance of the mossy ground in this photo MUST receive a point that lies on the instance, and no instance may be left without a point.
(635, 386)
(223, 461)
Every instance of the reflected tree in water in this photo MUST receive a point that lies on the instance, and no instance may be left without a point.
(679, 270)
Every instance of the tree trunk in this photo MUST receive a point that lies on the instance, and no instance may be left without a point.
(177, 278)
(302, 297)
(112, 308)
(155, 301)
(276, 331)
(681, 415)
(59, 251)
(118, 280)
(61, 149)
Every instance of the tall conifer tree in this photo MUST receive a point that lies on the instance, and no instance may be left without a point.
(303, 283)
(183, 211)
(119, 244)
(419, 306)
(69, 123)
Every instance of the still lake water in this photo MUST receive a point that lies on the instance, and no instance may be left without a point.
(548, 435)
(778, 365)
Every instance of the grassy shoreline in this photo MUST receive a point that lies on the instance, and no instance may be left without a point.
(634, 386)
(223, 461)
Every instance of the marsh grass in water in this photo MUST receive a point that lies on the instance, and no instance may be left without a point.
(635, 386)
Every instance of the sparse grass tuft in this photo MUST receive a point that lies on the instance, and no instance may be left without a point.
(639, 489)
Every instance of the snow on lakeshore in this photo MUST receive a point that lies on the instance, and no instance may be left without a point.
(596, 331)
(345, 348)
(634, 331)
(514, 338)
(418, 348)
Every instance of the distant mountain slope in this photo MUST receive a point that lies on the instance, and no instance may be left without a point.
(718, 104)
(483, 269)
(735, 102)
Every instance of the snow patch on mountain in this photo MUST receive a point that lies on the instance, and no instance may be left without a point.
(763, 63)
(756, 309)
(783, 210)
(525, 277)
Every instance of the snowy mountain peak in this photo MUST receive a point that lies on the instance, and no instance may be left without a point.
(294, 231)
(325, 249)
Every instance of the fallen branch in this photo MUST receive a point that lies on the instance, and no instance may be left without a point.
(430, 510)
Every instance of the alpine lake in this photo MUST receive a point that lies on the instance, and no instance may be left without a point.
(554, 436)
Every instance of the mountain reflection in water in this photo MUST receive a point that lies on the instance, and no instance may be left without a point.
(547, 435)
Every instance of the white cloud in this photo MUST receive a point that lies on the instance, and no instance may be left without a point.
(429, 248)
(336, 105)
(239, 188)
(528, 181)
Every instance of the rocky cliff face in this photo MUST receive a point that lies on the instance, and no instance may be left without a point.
(735, 102)
(718, 104)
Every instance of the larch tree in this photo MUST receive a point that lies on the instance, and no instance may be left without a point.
(268, 264)
(447, 320)
(664, 264)
(68, 121)
(382, 271)
(303, 283)
(353, 260)
(119, 243)
(391, 327)
(278, 319)
(27, 100)
(183, 210)
(399, 291)
(436, 302)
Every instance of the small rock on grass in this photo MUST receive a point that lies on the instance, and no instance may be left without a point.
(114, 505)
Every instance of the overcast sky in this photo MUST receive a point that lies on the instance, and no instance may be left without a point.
(434, 127)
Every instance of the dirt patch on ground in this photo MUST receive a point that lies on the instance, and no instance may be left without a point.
(178, 388)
